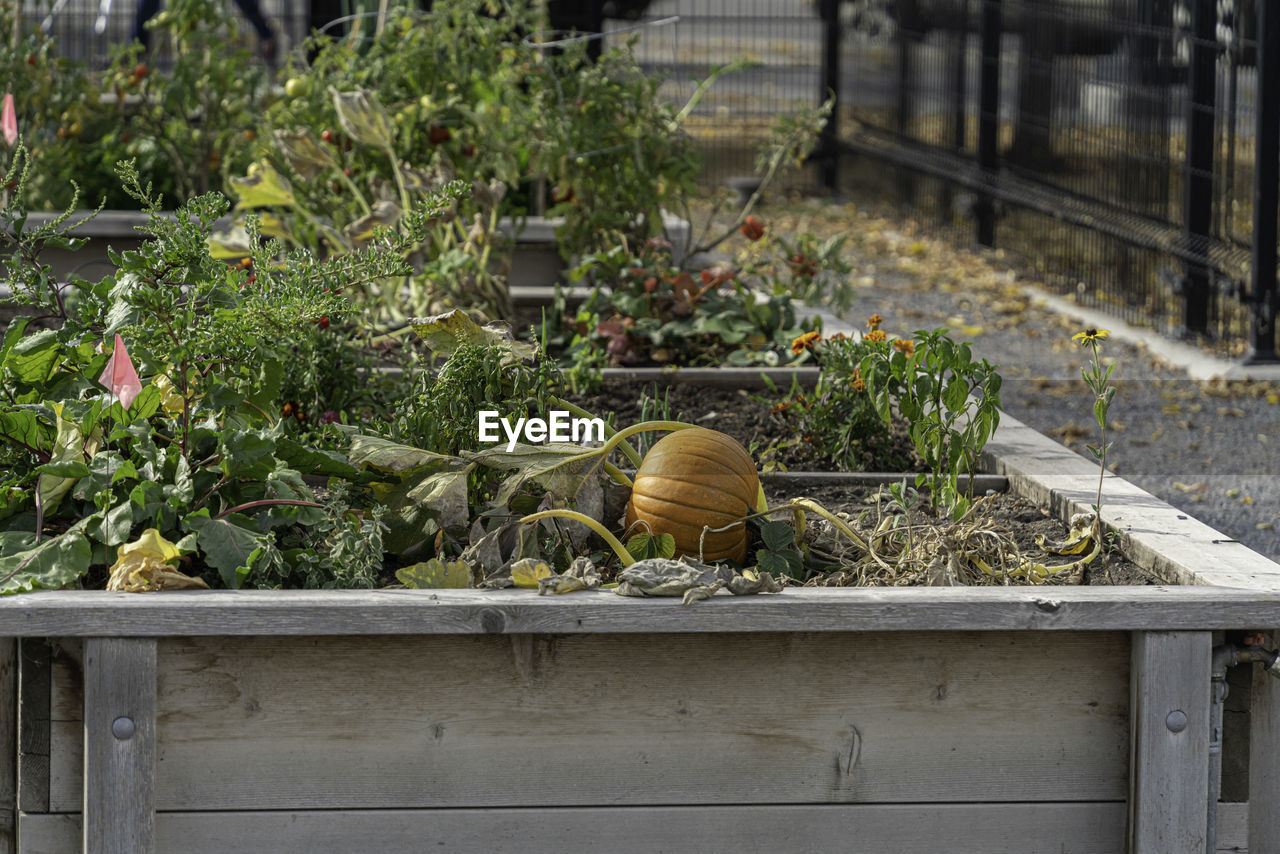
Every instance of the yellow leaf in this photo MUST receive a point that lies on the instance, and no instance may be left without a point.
(525, 573)
(435, 574)
(143, 566)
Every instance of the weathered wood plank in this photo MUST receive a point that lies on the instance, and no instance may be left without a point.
(376, 612)
(1154, 534)
(8, 743)
(1079, 828)
(119, 739)
(1264, 762)
(447, 721)
(1170, 749)
(1233, 829)
(33, 724)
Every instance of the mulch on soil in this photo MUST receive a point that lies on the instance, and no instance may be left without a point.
(745, 415)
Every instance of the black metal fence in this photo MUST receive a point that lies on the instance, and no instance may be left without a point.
(1124, 150)
(87, 30)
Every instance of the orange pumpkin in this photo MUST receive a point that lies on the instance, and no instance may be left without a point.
(691, 478)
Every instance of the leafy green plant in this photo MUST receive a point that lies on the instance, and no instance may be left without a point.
(658, 313)
(182, 456)
(950, 401)
(183, 127)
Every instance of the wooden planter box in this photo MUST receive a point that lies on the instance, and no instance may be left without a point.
(535, 258)
(884, 721)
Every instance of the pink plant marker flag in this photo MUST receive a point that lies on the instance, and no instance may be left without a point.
(9, 121)
(120, 375)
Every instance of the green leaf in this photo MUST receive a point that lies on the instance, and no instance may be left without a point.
(786, 562)
(112, 527)
(23, 425)
(435, 574)
(314, 461)
(229, 544)
(32, 359)
(67, 468)
(777, 535)
(446, 332)
(644, 546)
(558, 468)
(52, 565)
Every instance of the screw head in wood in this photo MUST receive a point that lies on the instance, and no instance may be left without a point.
(1176, 721)
(122, 728)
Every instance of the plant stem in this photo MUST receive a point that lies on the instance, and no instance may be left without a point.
(614, 543)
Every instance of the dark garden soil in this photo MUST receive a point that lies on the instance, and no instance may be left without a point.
(773, 439)
(745, 415)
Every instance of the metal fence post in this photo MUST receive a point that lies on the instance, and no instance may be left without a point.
(830, 138)
(1197, 196)
(989, 119)
(1266, 184)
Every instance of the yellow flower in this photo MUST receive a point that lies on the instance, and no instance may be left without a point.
(802, 343)
(876, 336)
(858, 383)
(905, 345)
(874, 321)
(1090, 335)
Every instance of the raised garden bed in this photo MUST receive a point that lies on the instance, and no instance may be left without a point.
(535, 258)
(1000, 719)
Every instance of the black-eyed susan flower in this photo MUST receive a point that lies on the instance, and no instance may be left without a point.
(1091, 335)
(804, 342)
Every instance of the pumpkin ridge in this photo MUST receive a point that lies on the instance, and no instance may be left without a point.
(720, 464)
(647, 497)
(648, 500)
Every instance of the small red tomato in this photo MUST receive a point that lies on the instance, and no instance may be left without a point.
(650, 285)
(437, 134)
(322, 322)
(327, 135)
(31, 60)
(561, 195)
(141, 71)
(469, 150)
(752, 228)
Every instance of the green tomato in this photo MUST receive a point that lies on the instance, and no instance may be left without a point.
(297, 87)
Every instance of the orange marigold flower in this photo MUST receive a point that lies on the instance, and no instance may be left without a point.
(839, 336)
(874, 321)
(799, 345)
(858, 383)
(905, 345)
(876, 336)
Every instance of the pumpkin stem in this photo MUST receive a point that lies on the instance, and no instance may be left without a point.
(616, 474)
(626, 447)
(644, 426)
(840, 525)
(560, 513)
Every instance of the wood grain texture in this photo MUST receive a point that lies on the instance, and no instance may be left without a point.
(33, 724)
(8, 743)
(375, 612)
(1175, 546)
(119, 772)
(1078, 828)
(445, 721)
(1168, 806)
(1264, 762)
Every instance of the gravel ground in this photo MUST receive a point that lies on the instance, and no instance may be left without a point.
(1209, 448)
